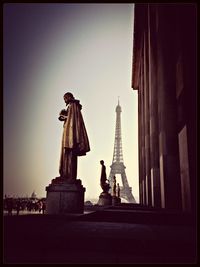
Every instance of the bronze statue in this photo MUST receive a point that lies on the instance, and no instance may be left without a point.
(104, 185)
(74, 140)
(114, 186)
(118, 190)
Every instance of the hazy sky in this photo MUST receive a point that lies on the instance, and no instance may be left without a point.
(50, 49)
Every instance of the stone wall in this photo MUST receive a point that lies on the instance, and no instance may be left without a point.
(164, 73)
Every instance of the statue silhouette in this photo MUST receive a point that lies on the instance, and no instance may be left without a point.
(104, 185)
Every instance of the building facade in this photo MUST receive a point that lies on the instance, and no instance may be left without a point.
(164, 74)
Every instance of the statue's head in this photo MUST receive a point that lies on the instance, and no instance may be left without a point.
(67, 97)
(102, 162)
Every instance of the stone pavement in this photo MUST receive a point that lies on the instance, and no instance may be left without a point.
(112, 235)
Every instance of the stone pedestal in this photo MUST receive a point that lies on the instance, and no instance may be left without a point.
(65, 197)
(115, 200)
(105, 199)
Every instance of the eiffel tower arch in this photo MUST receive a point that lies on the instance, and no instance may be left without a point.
(117, 166)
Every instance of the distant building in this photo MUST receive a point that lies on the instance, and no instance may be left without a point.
(33, 195)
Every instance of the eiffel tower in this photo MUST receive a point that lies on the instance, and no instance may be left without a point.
(117, 166)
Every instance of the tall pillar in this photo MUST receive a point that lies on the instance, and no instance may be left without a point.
(142, 136)
(153, 109)
(139, 150)
(146, 120)
(188, 29)
(167, 112)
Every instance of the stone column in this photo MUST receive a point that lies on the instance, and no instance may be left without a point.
(146, 120)
(142, 132)
(140, 147)
(153, 109)
(167, 113)
(188, 42)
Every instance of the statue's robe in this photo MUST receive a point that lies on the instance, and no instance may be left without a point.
(103, 175)
(74, 141)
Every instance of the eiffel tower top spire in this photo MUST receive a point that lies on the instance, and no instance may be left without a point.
(118, 107)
